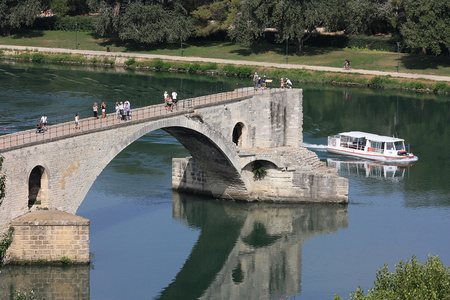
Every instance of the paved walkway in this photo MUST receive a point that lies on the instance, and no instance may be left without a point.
(226, 61)
(142, 114)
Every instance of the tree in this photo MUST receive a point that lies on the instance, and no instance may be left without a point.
(368, 16)
(144, 21)
(427, 25)
(291, 19)
(411, 280)
(60, 7)
(214, 17)
(15, 13)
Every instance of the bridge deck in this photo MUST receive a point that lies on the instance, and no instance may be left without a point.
(142, 114)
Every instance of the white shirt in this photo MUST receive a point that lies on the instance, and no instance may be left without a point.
(174, 95)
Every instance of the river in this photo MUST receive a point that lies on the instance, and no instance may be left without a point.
(149, 242)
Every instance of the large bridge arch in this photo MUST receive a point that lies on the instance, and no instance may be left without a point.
(214, 154)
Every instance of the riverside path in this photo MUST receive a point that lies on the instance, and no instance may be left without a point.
(125, 55)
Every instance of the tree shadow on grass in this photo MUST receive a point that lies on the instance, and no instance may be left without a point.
(26, 34)
(132, 46)
(280, 49)
(421, 62)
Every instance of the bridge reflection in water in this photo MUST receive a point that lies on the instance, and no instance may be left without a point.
(244, 251)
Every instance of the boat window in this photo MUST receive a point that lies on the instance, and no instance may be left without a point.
(399, 146)
(390, 146)
(376, 145)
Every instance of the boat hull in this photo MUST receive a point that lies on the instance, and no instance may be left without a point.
(371, 155)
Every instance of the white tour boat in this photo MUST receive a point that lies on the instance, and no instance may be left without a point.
(369, 146)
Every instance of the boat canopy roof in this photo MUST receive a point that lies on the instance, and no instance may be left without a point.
(371, 136)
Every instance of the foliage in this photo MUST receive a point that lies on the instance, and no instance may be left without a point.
(411, 280)
(368, 16)
(79, 23)
(15, 13)
(60, 7)
(66, 261)
(441, 87)
(5, 242)
(427, 25)
(259, 171)
(130, 62)
(19, 295)
(214, 17)
(144, 22)
(232, 70)
(2, 182)
(37, 57)
(290, 19)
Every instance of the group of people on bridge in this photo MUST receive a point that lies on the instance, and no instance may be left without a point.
(259, 82)
(41, 125)
(171, 101)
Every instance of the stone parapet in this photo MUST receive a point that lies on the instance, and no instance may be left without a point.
(51, 236)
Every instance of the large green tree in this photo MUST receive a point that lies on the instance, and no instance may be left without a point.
(368, 16)
(15, 13)
(426, 26)
(295, 20)
(144, 21)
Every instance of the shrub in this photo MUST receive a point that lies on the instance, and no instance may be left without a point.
(411, 280)
(130, 62)
(66, 261)
(441, 87)
(194, 67)
(416, 85)
(208, 67)
(5, 242)
(229, 69)
(259, 171)
(379, 81)
(243, 71)
(158, 63)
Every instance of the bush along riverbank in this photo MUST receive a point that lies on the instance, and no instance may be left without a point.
(295, 75)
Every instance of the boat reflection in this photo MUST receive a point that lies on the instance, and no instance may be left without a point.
(375, 169)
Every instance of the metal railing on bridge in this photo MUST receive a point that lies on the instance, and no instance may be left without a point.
(61, 130)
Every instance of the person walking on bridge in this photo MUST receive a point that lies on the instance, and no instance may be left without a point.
(77, 121)
(44, 122)
(95, 110)
(103, 109)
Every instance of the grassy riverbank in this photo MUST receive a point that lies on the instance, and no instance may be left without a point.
(332, 57)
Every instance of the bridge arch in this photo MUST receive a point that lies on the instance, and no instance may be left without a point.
(38, 181)
(239, 135)
(216, 155)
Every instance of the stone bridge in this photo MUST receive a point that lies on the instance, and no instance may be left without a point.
(230, 136)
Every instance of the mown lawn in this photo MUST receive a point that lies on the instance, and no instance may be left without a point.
(332, 57)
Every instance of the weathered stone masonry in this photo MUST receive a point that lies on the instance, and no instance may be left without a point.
(50, 236)
(224, 140)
